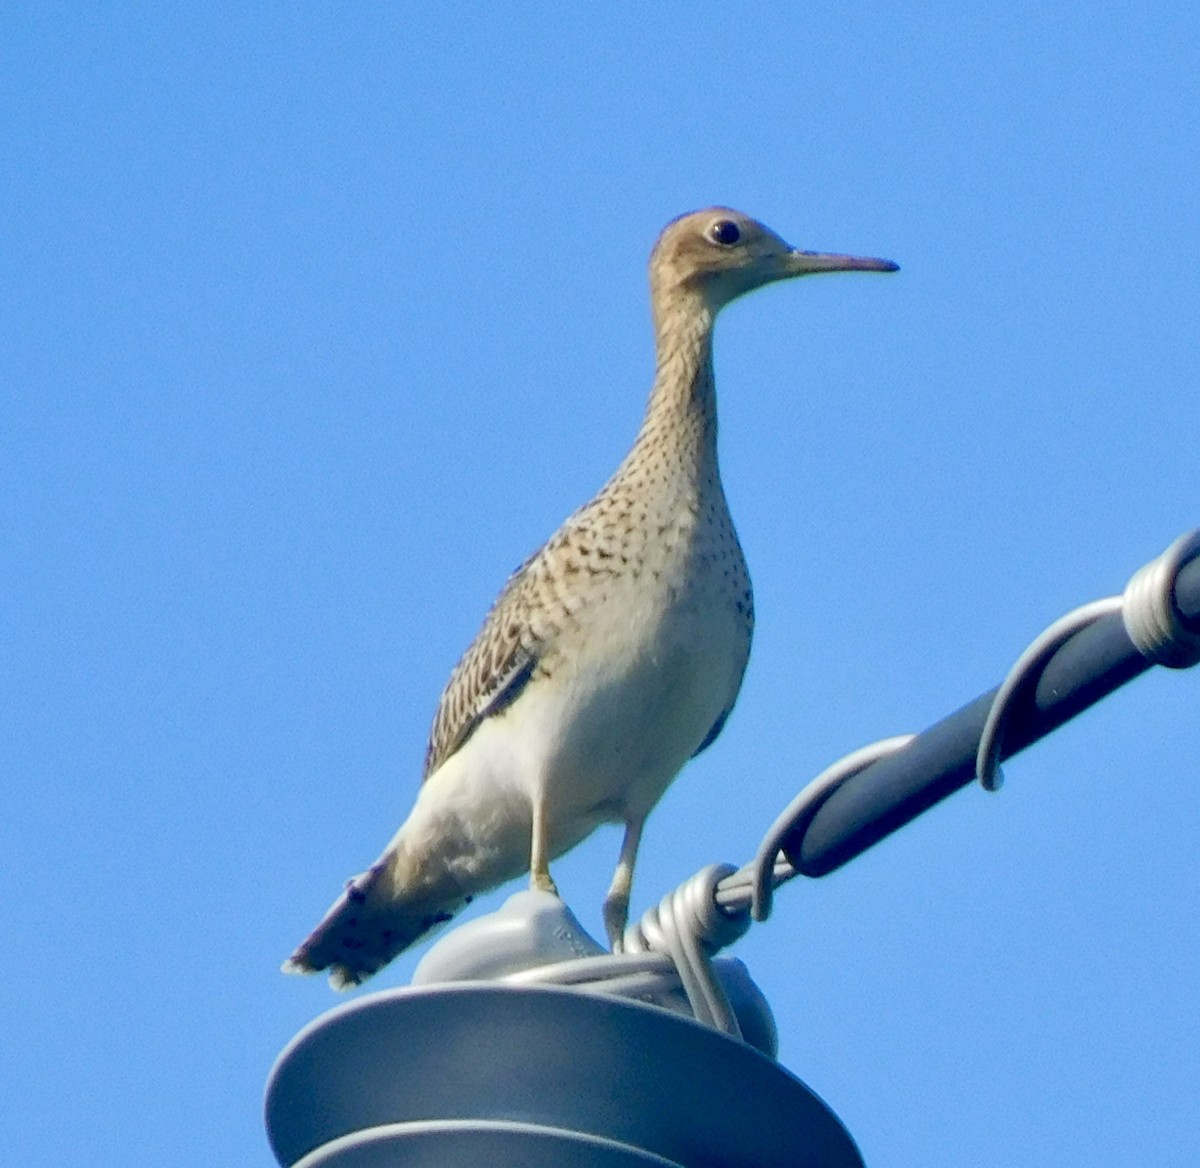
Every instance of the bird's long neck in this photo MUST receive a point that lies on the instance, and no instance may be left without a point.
(682, 411)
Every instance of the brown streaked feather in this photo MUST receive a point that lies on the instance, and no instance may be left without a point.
(489, 675)
(508, 648)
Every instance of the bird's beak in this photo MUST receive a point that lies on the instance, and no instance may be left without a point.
(800, 263)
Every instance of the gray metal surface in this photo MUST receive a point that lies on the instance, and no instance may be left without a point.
(561, 1059)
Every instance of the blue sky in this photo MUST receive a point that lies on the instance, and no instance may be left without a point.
(318, 319)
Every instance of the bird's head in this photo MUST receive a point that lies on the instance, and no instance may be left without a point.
(721, 254)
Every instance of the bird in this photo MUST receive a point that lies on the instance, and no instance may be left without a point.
(611, 657)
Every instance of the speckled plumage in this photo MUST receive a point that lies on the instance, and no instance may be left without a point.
(611, 656)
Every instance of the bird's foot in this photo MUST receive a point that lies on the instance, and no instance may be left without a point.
(616, 917)
(541, 881)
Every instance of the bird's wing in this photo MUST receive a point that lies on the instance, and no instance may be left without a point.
(490, 674)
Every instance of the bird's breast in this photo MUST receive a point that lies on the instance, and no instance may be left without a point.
(647, 661)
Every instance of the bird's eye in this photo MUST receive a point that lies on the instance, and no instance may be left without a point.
(724, 231)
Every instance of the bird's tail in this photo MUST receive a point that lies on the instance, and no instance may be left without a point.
(373, 920)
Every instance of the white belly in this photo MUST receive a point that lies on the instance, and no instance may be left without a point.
(598, 736)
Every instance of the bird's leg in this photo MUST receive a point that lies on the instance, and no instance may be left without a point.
(616, 903)
(539, 860)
